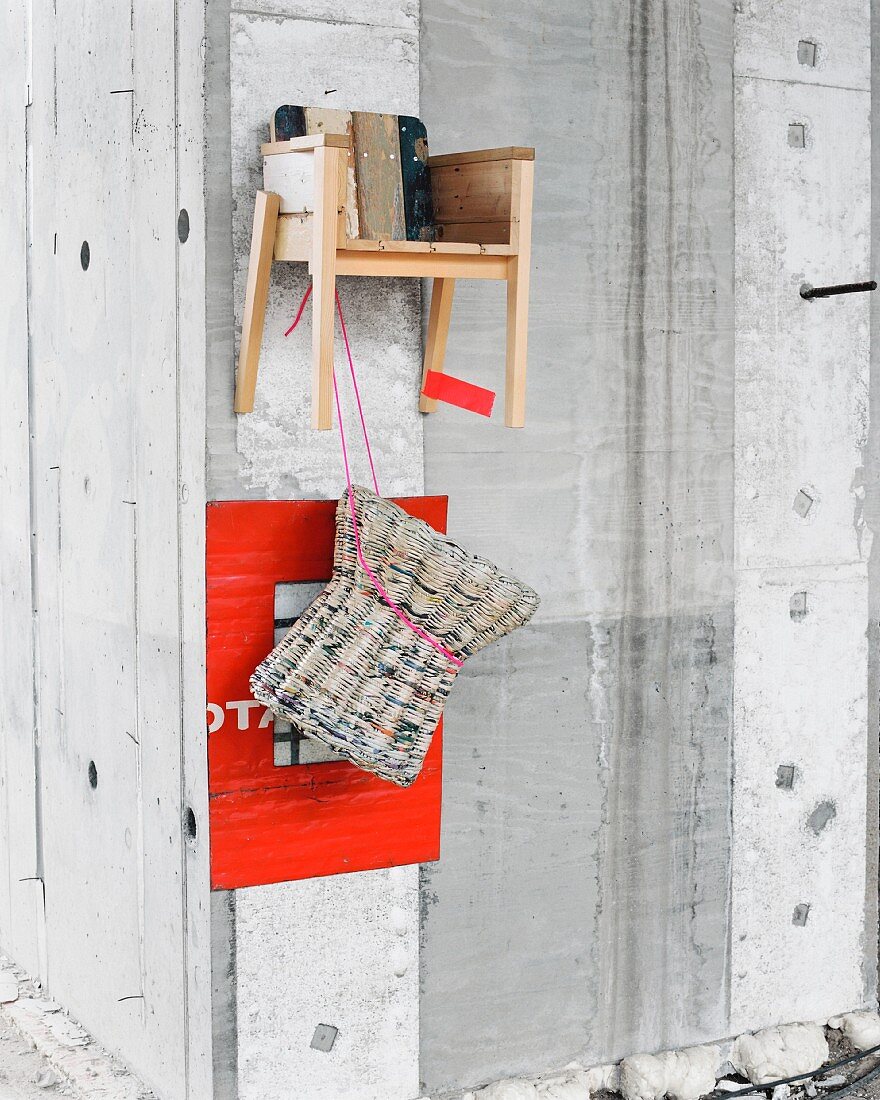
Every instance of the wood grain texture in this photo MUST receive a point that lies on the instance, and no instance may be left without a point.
(476, 156)
(440, 313)
(256, 294)
(385, 262)
(479, 192)
(518, 281)
(379, 181)
(417, 198)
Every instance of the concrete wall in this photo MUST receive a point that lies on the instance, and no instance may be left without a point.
(581, 904)
(102, 713)
(802, 215)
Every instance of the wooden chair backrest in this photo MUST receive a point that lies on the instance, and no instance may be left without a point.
(388, 189)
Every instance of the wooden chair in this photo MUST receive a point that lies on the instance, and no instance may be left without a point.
(322, 206)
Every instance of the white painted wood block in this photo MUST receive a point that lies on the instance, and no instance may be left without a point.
(768, 35)
(800, 746)
(803, 216)
(800, 701)
(292, 176)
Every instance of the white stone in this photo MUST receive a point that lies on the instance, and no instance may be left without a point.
(862, 1028)
(777, 1052)
(601, 1078)
(568, 1086)
(680, 1074)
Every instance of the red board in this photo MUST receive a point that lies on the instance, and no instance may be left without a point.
(274, 824)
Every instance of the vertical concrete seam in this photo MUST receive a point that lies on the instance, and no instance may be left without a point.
(32, 504)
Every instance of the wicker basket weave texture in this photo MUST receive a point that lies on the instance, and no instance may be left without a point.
(352, 674)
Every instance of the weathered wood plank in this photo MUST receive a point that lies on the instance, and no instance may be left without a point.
(379, 180)
(288, 122)
(417, 199)
(293, 178)
(256, 294)
(321, 120)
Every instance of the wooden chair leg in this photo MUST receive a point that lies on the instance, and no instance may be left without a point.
(518, 271)
(324, 240)
(259, 271)
(438, 331)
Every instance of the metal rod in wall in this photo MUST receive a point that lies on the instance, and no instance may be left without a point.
(809, 292)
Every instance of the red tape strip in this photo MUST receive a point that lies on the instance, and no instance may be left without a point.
(454, 391)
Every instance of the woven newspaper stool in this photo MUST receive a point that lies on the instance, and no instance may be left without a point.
(369, 679)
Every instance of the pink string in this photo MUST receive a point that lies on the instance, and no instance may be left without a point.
(299, 312)
(357, 396)
(404, 618)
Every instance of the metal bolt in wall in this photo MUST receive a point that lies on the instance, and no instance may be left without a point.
(803, 502)
(807, 53)
(324, 1037)
(797, 607)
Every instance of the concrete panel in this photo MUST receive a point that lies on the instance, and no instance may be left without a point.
(108, 454)
(872, 518)
(768, 36)
(803, 215)
(93, 829)
(589, 763)
(341, 951)
(21, 894)
(801, 703)
(364, 58)
(800, 946)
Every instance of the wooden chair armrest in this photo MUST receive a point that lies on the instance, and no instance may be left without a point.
(304, 144)
(511, 152)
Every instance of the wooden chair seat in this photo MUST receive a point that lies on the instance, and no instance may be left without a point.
(339, 198)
